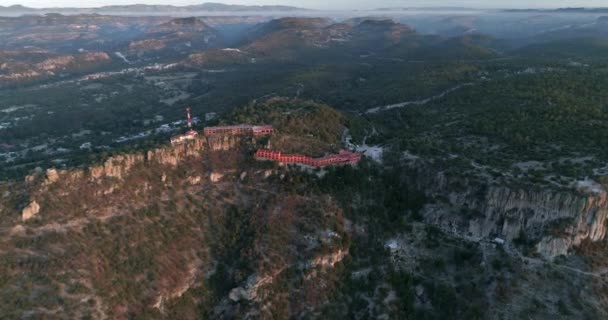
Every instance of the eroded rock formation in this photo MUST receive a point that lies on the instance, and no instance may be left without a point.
(30, 211)
(555, 220)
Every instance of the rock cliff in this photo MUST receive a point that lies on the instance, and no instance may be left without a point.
(30, 211)
(553, 220)
(148, 234)
(103, 180)
(119, 166)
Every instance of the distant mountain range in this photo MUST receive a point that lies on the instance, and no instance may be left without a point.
(425, 8)
(148, 9)
(563, 10)
(214, 8)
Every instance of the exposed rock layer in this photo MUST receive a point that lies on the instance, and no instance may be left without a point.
(30, 211)
(556, 220)
(119, 166)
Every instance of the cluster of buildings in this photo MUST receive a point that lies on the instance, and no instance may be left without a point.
(224, 130)
(342, 158)
(190, 135)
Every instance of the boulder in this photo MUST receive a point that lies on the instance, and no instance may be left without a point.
(30, 211)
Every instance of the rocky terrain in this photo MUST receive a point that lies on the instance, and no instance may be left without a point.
(184, 34)
(552, 222)
(187, 216)
(14, 68)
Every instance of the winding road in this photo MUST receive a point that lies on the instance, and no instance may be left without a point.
(417, 102)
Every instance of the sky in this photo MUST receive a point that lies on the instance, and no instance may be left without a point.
(327, 4)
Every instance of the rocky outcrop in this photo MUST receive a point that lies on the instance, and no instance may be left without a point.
(193, 180)
(95, 57)
(52, 176)
(252, 286)
(555, 220)
(188, 281)
(120, 166)
(216, 176)
(55, 63)
(329, 260)
(30, 211)
(552, 247)
(174, 154)
(68, 61)
(222, 143)
(148, 44)
(35, 68)
(116, 167)
(28, 74)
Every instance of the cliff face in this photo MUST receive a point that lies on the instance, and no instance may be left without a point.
(120, 166)
(122, 176)
(554, 220)
(150, 235)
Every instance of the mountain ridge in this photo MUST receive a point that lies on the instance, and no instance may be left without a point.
(150, 9)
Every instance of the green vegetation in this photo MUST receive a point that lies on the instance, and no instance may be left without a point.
(453, 287)
(301, 126)
(544, 126)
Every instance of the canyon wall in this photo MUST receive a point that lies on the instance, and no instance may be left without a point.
(553, 220)
(119, 166)
(115, 178)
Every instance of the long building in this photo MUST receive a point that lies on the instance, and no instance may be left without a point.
(239, 129)
(342, 158)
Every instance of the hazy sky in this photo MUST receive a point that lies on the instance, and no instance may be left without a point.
(324, 4)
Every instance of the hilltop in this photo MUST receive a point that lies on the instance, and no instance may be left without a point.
(176, 36)
(302, 127)
(194, 228)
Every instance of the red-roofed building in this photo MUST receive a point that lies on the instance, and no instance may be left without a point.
(262, 130)
(343, 158)
(239, 129)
